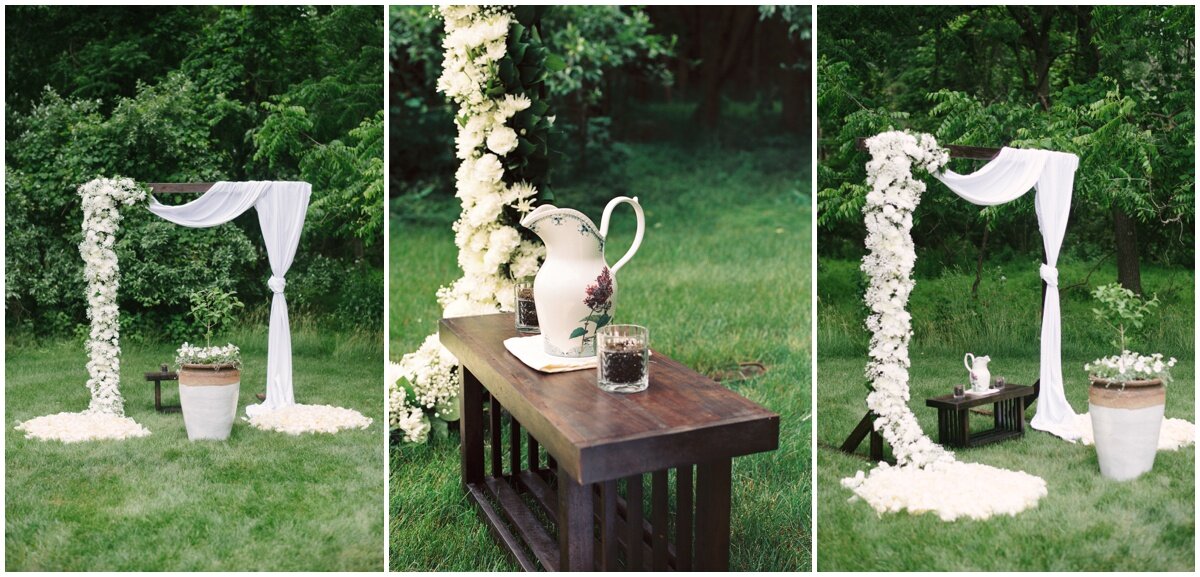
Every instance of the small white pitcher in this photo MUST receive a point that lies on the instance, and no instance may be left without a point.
(977, 369)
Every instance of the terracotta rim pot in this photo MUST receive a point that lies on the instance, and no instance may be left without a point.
(209, 396)
(1126, 419)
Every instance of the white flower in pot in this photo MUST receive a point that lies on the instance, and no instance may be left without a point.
(210, 377)
(1128, 395)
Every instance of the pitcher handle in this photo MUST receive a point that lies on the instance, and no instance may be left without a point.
(969, 367)
(641, 227)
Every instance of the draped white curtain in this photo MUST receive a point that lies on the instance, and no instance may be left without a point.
(1008, 176)
(281, 209)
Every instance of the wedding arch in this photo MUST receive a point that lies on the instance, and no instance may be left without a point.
(281, 208)
(926, 476)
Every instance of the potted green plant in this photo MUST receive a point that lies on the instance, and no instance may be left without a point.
(210, 377)
(1128, 393)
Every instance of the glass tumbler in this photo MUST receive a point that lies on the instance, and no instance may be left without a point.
(527, 319)
(623, 358)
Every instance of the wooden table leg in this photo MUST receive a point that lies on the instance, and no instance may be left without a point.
(576, 541)
(608, 526)
(713, 500)
(471, 425)
(964, 428)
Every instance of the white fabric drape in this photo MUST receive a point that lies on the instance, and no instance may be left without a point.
(1008, 176)
(281, 208)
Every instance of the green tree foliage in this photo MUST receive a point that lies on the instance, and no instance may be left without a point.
(214, 309)
(1122, 311)
(589, 48)
(1111, 84)
(176, 94)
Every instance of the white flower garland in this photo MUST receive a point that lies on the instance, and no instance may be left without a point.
(490, 252)
(105, 416)
(926, 477)
(895, 193)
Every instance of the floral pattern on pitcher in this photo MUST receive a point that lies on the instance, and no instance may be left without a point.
(599, 301)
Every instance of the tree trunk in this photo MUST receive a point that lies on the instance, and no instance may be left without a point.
(1035, 35)
(979, 264)
(797, 84)
(1129, 272)
(722, 51)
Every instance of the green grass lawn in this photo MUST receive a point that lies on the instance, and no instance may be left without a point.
(722, 276)
(260, 501)
(1086, 522)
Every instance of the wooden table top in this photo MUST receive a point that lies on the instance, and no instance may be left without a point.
(682, 418)
(1010, 391)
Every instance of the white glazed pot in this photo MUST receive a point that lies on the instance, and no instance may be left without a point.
(1126, 421)
(209, 396)
(575, 290)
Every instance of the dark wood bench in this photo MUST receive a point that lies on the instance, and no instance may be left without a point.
(1008, 414)
(598, 446)
(157, 377)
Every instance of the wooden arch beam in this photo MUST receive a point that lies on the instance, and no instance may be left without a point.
(179, 187)
(956, 151)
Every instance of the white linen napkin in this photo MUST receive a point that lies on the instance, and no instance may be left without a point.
(530, 351)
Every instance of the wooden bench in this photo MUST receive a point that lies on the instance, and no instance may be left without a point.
(1008, 414)
(158, 377)
(598, 447)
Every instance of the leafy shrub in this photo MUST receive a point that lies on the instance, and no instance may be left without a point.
(258, 92)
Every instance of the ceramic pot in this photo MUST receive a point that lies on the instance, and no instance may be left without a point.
(575, 290)
(1126, 420)
(209, 396)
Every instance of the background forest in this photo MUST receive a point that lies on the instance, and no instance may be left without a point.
(177, 94)
(1111, 84)
(617, 75)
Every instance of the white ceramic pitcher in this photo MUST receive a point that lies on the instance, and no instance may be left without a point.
(575, 289)
(977, 368)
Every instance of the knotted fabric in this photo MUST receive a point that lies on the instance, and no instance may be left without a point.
(281, 208)
(1049, 274)
(1008, 176)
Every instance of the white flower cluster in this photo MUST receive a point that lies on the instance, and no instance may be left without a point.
(927, 477)
(194, 355)
(476, 38)
(1131, 366)
(889, 262)
(491, 251)
(298, 419)
(410, 421)
(102, 199)
(432, 374)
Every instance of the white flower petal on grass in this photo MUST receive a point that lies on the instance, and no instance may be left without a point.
(77, 427)
(299, 419)
(950, 490)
